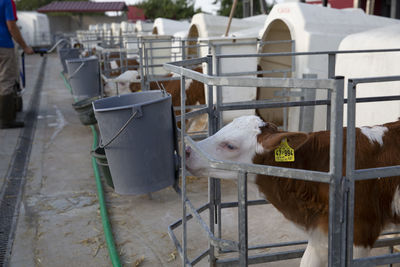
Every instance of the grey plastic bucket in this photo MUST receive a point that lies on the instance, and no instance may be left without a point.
(141, 155)
(85, 111)
(84, 77)
(101, 160)
(67, 53)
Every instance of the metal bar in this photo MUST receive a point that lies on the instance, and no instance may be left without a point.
(225, 205)
(350, 167)
(256, 72)
(251, 81)
(225, 244)
(270, 257)
(211, 219)
(183, 171)
(335, 257)
(242, 216)
(331, 75)
(377, 260)
(200, 257)
(212, 181)
(178, 223)
(193, 113)
(259, 169)
(188, 62)
(310, 53)
(373, 173)
(375, 79)
(273, 245)
(276, 104)
(142, 78)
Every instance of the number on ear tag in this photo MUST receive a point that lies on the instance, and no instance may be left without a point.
(284, 153)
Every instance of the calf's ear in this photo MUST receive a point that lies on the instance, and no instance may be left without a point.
(272, 141)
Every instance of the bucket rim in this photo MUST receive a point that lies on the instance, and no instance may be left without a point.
(80, 60)
(130, 106)
(69, 49)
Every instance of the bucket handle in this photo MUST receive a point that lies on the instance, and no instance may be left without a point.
(119, 131)
(76, 71)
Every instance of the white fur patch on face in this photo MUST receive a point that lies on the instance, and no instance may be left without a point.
(396, 202)
(260, 149)
(234, 142)
(374, 134)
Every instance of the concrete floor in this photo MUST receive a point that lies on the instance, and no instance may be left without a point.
(59, 222)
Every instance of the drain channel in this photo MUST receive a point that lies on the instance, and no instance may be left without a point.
(11, 193)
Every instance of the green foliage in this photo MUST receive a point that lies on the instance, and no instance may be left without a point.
(171, 9)
(226, 5)
(35, 4)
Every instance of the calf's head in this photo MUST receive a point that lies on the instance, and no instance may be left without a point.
(240, 141)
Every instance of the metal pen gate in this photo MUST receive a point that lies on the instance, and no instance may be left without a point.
(341, 202)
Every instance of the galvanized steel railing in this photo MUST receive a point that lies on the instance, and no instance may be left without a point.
(340, 245)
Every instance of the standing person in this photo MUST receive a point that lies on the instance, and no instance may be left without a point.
(8, 63)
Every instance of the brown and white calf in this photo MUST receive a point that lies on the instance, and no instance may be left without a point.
(248, 139)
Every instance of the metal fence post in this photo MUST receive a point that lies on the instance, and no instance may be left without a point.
(336, 194)
(331, 75)
(242, 220)
(350, 166)
(141, 65)
(183, 164)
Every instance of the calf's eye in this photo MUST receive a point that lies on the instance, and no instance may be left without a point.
(231, 147)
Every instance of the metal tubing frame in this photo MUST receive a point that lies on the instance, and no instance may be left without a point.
(338, 196)
(242, 246)
(353, 175)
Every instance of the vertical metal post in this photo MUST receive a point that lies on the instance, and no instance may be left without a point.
(183, 49)
(183, 164)
(336, 196)
(211, 181)
(306, 122)
(331, 75)
(242, 210)
(217, 193)
(293, 68)
(151, 51)
(394, 9)
(219, 88)
(211, 111)
(285, 109)
(141, 65)
(350, 166)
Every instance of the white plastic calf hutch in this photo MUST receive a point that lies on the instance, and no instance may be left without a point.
(142, 27)
(208, 29)
(35, 28)
(307, 28)
(373, 65)
(230, 45)
(156, 51)
(129, 39)
(205, 25)
(164, 26)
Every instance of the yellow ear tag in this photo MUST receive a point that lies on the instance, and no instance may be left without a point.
(284, 153)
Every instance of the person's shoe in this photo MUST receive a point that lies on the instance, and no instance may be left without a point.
(8, 113)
